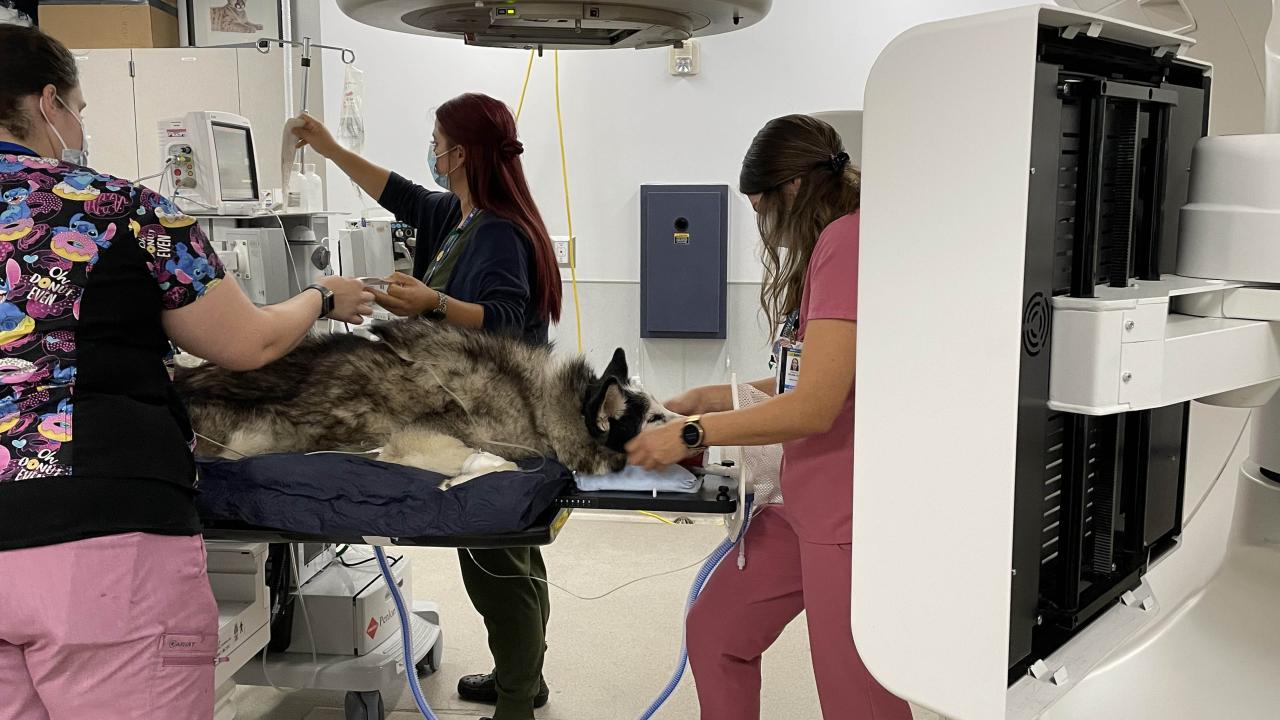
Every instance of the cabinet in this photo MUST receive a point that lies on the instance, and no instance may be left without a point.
(129, 91)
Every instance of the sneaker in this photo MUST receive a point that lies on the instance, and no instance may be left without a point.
(483, 689)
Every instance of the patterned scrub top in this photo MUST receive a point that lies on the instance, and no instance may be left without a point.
(93, 439)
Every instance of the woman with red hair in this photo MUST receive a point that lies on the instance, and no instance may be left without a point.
(484, 260)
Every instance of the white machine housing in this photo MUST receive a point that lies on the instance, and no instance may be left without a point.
(560, 24)
(351, 610)
(259, 260)
(366, 248)
(209, 159)
(949, 156)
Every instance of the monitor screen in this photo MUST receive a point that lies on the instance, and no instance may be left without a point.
(236, 171)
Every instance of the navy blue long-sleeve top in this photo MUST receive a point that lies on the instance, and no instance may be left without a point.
(495, 269)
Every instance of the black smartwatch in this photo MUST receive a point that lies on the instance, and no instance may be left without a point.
(692, 433)
(326, 299)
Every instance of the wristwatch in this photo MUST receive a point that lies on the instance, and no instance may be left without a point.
(441, 309)
(326, 299)
(692, 433)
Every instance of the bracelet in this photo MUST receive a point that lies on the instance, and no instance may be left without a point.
(442, 307)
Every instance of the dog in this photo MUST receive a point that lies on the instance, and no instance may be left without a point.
(424, 394)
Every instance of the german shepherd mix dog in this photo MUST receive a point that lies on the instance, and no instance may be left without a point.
(427, 395)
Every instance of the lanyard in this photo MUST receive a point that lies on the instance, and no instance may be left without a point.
(449, 243)
(786, 336)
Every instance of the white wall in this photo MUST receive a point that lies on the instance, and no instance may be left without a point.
(627, 122)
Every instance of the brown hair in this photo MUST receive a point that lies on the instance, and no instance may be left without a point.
(30, 61)
(788, 148)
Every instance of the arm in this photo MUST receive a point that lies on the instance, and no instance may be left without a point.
(410, 203)
(371, 178)
(407, 297)
(494, 271)
(226, 329)
(210, 316)
(811, 409)
(715, 398)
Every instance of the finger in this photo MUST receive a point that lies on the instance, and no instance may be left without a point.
(379, 296)
(365, 310)
(399, 278)
(366, 297)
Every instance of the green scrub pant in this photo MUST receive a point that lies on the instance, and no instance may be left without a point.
(515, 612)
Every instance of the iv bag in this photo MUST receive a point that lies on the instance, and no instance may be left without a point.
(351, 118)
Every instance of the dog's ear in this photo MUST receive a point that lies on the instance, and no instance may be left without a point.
(607, 402)
(617, 366)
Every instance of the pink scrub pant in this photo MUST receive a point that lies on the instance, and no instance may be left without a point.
(113, 628)
(742, 612)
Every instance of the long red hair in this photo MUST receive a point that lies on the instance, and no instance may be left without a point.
(486, 129)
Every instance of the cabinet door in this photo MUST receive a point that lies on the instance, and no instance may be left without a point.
(109, 117)
(262, 101)
(173, 82)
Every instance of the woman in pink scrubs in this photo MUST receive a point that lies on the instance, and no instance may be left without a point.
(105, 605)
(798, 552)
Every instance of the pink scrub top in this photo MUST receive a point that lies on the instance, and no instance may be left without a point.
(817, 471)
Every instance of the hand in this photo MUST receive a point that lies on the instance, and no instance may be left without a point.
(657, 448)
(688, 403)
(407, 296)
(312, 132)
(352, 301)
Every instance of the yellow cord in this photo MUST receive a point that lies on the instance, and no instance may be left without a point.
(564, 171)
(525, 87)
(655, 516)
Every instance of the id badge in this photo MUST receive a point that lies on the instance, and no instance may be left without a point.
(789, 356)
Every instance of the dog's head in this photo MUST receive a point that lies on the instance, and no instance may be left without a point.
(616, 411)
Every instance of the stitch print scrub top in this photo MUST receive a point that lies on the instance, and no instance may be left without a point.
(93, 439)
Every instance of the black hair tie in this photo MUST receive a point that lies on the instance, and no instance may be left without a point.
(839, 161)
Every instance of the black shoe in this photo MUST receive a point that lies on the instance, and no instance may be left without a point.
(483, 689)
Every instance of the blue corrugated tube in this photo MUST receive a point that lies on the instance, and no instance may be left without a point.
(694, 591)
(406, 637)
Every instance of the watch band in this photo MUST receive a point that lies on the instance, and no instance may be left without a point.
(326, 299)
(441, 310)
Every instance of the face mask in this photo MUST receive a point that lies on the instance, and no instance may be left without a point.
(442, 179)
(69, 154)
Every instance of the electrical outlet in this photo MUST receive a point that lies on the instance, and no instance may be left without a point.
(564, 251)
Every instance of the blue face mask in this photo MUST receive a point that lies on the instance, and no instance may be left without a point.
(442, 179)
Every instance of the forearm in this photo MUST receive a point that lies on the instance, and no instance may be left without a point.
(464, 314)
(281, 327)
(780, 419)
(719, 398)
(370, 177)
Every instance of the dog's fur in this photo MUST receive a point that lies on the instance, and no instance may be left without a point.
(428, 395)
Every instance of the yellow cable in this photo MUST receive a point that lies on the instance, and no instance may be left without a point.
(564, 171)
(524, 88)
(655, 516)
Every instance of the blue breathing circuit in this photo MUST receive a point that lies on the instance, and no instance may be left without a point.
(406, 636)
(704, 574)
(695, 590)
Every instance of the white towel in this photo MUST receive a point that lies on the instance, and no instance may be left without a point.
(674, 479)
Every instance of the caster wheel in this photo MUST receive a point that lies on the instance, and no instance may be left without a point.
(365, 706)
(431, 663)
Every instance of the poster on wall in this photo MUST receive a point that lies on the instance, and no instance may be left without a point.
(209, 23)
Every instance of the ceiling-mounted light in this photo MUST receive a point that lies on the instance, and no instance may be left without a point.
(561, 24)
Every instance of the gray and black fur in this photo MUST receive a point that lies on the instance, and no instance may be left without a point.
(428, 393)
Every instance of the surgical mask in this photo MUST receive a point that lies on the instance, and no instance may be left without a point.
(442, 179)
(69, 154)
